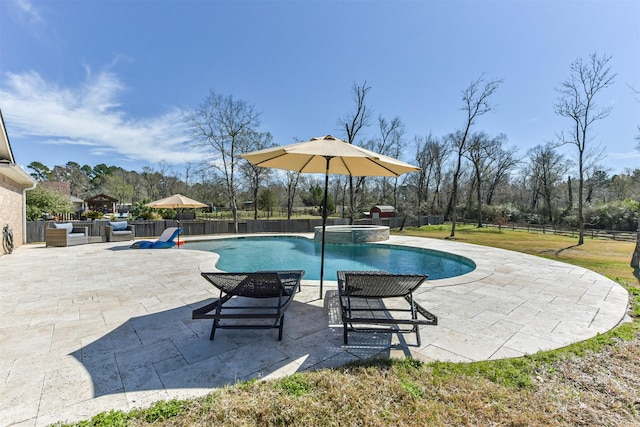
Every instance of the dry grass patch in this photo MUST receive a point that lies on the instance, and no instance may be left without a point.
(376, 394)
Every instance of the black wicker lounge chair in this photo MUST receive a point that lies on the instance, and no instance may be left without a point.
(280, 287)
(357, 289)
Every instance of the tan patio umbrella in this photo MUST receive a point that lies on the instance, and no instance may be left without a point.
(328, 155)
(177, 201)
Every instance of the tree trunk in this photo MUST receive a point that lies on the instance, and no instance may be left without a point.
(454, 199)
(352, 201)
(635, 259)
(255, 202)
(479, 194)
(404, 219)
(570, 188)
(234, 209)
(580, 202)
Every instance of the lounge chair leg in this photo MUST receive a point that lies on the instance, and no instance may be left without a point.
(281, 328)
(213, 330)
(345, 335)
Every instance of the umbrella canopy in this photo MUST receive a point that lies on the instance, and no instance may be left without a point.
(175, 202)
(328, 155)
(346, 159)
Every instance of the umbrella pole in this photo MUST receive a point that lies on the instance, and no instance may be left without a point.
(324, 222)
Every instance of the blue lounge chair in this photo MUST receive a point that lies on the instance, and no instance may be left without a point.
(164, 241)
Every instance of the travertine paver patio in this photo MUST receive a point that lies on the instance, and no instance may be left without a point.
(97, 327)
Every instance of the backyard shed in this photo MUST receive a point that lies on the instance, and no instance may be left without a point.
(380, 211)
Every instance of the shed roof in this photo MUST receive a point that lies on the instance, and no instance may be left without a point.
(384, 208)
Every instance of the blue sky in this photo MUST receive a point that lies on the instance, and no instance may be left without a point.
(108, 81)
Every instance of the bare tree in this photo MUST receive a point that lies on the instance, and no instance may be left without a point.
(223, 124)
(290, 182)
(480, 152)
(352, 124)
(504, 160)
(252, 173)
(187, 176)
(390, 142)
(151, 181)
(577, 103)
(547, 170)
(431, 154)
(168, 181)
(422, 177)
(475, 103)
(439, 155)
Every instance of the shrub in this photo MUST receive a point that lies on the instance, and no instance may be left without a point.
(92, 214)
(617, 215)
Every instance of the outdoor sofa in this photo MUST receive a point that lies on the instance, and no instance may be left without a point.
(65, 234)
(119, 231)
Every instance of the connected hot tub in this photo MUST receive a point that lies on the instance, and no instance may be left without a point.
(352, 233)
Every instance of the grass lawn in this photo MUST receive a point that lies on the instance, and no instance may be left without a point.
(608, 257)
(596, 382)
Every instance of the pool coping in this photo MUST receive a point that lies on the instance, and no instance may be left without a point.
(111, 327)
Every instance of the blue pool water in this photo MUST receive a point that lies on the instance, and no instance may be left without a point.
(298, 253)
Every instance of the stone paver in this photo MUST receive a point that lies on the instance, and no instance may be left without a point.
(97, 327)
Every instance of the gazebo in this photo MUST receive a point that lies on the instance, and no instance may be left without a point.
(102, 203)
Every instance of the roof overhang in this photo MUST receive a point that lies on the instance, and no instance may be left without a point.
(15, 173)
(8, 166)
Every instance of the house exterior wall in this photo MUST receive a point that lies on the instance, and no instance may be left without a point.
(11, 209)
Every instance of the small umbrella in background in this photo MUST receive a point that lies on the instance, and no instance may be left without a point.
(328, 155)
(176, 201)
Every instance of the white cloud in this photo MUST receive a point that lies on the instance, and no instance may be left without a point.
(29, 12)
(628, 155)
(91, 115)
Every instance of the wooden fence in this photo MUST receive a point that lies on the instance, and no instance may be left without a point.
(35, 229)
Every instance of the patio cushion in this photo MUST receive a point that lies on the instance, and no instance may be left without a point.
(118, 225)
(66, 225)
(121, 233)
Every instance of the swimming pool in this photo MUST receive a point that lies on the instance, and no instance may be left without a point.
(299, 253)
